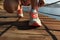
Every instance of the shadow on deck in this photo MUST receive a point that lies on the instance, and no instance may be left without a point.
(23, 25)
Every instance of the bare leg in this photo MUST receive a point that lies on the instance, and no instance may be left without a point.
(19, 9)
(41, 3)
(34, 4)
(34, 19)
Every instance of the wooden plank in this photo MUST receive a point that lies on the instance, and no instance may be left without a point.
(18, 28)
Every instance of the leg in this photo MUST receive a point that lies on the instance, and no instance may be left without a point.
(19, 9)
(41, 3)
(34, 19)
(34, 5)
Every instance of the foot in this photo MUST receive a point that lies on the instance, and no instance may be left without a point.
(20, 12)
(34, 19)
(35, 22)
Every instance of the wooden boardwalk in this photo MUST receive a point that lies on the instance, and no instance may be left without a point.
(14, 28)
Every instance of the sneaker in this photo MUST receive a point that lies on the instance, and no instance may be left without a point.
(20, 12)
(34, 19)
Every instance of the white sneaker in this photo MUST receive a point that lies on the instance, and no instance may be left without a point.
(34, 19)
(20, 12)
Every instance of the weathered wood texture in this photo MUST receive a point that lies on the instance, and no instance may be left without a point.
(14, 28)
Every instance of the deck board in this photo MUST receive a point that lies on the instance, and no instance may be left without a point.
(18, 28)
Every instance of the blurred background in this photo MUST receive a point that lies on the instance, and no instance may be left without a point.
(51, 8)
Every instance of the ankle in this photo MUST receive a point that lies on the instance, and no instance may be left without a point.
(34, 13)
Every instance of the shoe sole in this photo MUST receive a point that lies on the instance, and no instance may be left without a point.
(35, 25)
